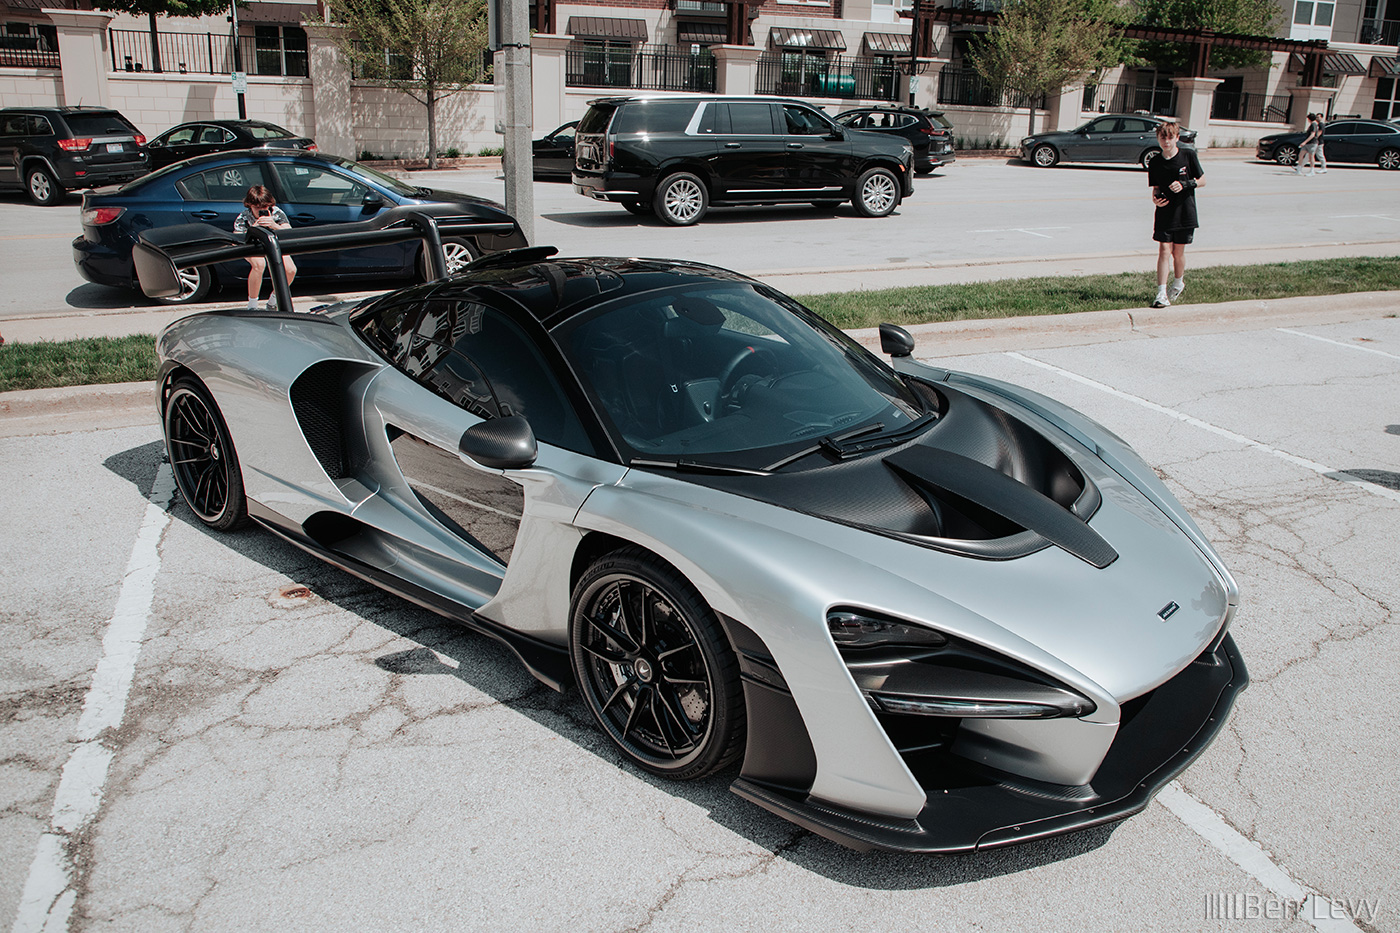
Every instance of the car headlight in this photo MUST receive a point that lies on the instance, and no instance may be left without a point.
(911, 669)
(1027, 140)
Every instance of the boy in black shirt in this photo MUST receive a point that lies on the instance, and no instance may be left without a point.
(1174, 176)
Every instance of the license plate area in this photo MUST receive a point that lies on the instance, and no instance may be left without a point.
(115, 147)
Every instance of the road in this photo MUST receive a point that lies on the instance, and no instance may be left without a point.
(1029, 221)
(301, 752)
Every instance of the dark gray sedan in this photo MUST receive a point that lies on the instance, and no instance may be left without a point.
(1113, 137)
(193, 139)
(1369, 141)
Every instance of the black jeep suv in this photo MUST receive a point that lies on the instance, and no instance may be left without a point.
(928, 131)
(49, 150)
(677, 156)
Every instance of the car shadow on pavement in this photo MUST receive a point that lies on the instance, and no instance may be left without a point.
(447, 649)
(715, 216)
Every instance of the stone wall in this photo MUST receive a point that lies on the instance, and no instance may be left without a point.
(30, 87)
(156, 102)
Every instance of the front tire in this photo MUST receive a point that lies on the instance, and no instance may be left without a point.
(202, 456)
(877, 193)
(194, 285)
(1045, 155)
(44, 190)
(655, 668)
(1286, 155)
(1389, 159)
(681, 200)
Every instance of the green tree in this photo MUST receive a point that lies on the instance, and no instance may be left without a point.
(1040, 46)
(428, 49)
(150, 8)
(1243, 17)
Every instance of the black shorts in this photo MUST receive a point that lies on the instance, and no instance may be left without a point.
(1182, 235)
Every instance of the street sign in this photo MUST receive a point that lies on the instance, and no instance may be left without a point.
(240, 82)
(913, 84)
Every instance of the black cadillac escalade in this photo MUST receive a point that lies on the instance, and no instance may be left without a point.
(678, 156)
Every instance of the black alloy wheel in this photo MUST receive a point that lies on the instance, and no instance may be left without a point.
(654, 667)
(202, 457)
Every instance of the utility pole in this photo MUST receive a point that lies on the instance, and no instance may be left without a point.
(240, 77)
(513, 81)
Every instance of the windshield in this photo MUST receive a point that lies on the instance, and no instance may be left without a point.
(267, 131)
(726, 374)
(387, 181)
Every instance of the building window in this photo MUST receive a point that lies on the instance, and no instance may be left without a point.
(1312, 19)
(1387, 105)
(280, 50)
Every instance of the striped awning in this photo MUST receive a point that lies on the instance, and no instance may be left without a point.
(784, 38)
(1333, 63)
(1384, 67)
(887, 43)
(608, 27)
(704, 33)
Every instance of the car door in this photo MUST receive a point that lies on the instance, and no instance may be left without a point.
(1092, 142)
(466, 362)
(750, 159)
(215, 196)
(554, 155)
(819, 154)
(314, 193)
(1339, 142)
(1135, 136)
(174, 145)
(13, 130)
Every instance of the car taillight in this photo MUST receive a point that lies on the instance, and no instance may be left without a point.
(310, 147)
(611, 144)
(140, 140)
(928, 131)
(97, 216)
(74, 145)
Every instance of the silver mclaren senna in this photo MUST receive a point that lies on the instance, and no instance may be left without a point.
(907, 608)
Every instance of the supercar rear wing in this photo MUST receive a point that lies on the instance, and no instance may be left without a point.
(160, 252)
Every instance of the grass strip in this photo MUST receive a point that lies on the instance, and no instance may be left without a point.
(99, 360)
(921, 304)
(88, 361)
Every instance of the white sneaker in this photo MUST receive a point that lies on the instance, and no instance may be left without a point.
(1160, 302)
(1322, 171)
(1175, 291)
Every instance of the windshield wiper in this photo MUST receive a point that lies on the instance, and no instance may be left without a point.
(696, 466)
(830, 443)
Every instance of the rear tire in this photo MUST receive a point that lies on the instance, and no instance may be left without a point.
(458, 253)
(877, 193)
(202, 456)
(194, 285)
(681, 200)
(44, 190)
(1148, 156)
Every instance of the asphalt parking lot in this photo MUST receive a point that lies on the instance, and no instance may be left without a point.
(299, 751)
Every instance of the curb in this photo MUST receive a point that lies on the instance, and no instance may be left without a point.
(115, 397)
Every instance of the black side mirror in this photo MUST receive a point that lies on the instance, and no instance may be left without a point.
(373, 199)
(501, 443)
(836, 134)
(896, 341)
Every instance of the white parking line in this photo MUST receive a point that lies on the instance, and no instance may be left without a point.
(1325, 914)
(1339, 343)
(46, 906)
(1044, 236)
(1320, 468)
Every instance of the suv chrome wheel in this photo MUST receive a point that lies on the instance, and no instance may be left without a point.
(681, 200)
(877, 193)
(43, 187)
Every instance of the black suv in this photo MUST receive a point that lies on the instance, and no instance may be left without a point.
(49, 150)
(928, 131)
(677, 156)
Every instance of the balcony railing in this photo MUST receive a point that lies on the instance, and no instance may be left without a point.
(1131, 98)
(846, 77)
(27, 52)
(204, 53)
(1380, 31)
(1242, 105)
(646, 67)
(964, 87)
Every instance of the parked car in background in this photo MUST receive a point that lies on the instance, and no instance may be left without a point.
(48, 151)
(1374, 142)
(206, 136)
(928, 131)
(312, 188)
(1113, 137)
(678, 156)
(554, 155)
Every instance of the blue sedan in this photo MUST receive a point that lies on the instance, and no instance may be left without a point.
(312, 188)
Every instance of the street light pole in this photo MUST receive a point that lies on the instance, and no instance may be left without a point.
(514, 83)
(240, 77)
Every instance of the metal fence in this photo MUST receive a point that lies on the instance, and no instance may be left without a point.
(646, 67)
(1242, 105)
(1380, 31)
(208, 53)
(1131, 98)
(29, 51)
(847, 77)
(964, 87)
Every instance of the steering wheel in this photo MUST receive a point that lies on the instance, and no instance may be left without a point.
(732, 370)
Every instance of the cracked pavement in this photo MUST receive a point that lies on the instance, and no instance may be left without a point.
(301, 751)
